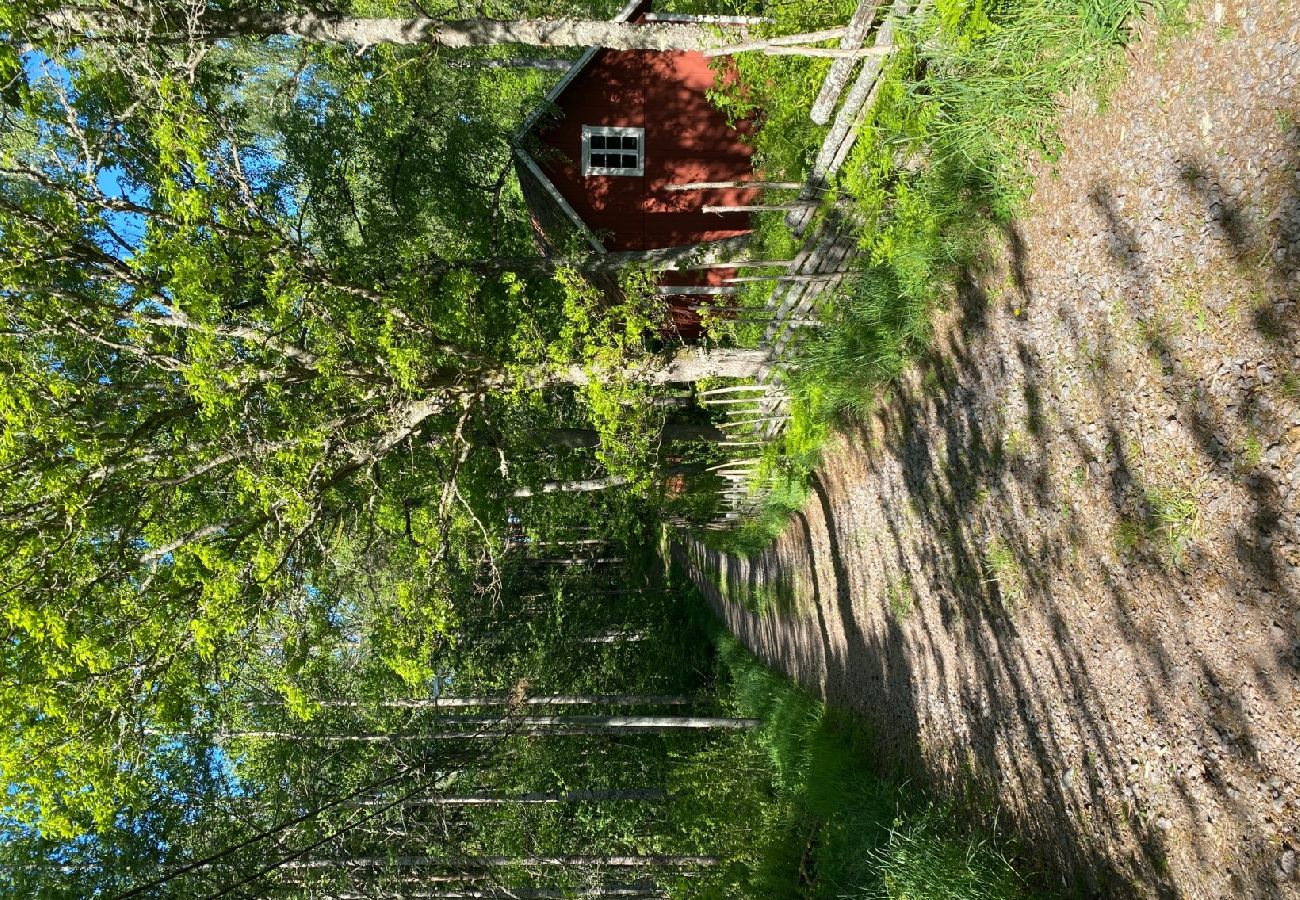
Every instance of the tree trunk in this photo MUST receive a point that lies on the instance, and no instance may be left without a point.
(724, 185)
(364, 32)
(469, 702)
(489, 727)
(486, 798)
(705, 253)
(367, 32)
(582, 438)
(624, 892)
(453, 33)
(479, 862)
(838, 77)
(543, 65)
(571, 487)
(684, 366)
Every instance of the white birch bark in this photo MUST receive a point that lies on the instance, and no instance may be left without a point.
(486, 798)
(426, 31)
(413, 862)
(572, 487)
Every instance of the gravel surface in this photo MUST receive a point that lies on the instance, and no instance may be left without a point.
(1059, 572)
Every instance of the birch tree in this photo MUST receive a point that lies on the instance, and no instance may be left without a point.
(206, 404)
(213, 23)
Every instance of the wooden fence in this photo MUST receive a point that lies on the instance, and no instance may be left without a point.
(757, 414)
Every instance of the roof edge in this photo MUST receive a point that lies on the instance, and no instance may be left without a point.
(554, 193)
(574, 71)
(552, 95)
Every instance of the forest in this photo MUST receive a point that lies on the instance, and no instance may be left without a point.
(347, 518)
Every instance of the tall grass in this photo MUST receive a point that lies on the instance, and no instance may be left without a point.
(834, 825)
(945, 163)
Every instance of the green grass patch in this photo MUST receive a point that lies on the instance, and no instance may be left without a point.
(898, 597)
(1168, 522)
(943, 166)
(829, 824)
(1002, 570)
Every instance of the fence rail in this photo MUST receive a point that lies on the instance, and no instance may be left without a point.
(821, 265)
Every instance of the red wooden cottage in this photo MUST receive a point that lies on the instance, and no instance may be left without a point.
(609, 155)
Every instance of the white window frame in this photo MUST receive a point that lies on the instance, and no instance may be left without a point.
(612, 131)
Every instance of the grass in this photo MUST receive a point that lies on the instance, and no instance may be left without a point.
(1003, 571)
(1169, 521)
(898, 597)
(1175, 519)
(831, 824)
(1289, 386)
(1251, 453)
(944, 166)
(943, 163)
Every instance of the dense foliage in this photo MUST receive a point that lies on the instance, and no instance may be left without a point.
(266, 389)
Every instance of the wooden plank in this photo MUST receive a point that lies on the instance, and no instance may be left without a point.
(761, 207)
(821, 244)
(829, 52)
(688, 256)
(805, 301)
(673, 290)
(788, 40)
(728, 401)
(752, 421)
(838, 77)
(749, 279)
(733, 389)
(847, 117)
(738, 462)
(841, 249)
(739, 264)
(723, 185)
(842, 153)
(707, 20)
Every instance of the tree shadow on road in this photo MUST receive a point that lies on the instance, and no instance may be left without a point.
(1050, 489)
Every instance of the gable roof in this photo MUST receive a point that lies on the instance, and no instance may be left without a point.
(551, 212)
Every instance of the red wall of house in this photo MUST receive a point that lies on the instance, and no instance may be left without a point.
(686, 139)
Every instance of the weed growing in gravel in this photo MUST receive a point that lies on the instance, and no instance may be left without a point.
(898, 596)
(1176, 517)
(1169, 523)
(1002, 570)
(1015, 444)
(1128, 536)
(1251, 453)
(1193, 309)
(1289, 385)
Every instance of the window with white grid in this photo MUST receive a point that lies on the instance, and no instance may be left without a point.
(608, 150)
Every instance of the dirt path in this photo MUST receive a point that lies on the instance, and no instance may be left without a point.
(1061, 568)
